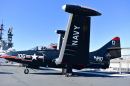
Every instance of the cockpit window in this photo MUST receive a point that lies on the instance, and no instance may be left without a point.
(51, 46)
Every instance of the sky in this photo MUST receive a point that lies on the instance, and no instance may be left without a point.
(34, 21)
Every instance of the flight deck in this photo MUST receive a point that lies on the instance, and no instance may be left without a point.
(12, 74)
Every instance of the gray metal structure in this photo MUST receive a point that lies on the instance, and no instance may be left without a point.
(5, 45)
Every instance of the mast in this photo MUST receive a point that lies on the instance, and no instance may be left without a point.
(10, 44)
(1, 31)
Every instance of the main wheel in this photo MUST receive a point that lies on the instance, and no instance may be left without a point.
(63, 70)
(26, 71)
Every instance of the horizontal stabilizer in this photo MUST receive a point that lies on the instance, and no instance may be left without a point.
(116, 48)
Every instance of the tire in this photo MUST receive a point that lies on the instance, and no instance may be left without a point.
(26, 71)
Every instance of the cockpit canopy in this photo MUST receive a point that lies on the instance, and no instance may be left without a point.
(51, 46)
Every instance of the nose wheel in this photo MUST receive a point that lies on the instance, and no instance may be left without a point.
(26, 71)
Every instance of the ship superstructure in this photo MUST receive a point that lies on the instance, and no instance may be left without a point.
(5, 45)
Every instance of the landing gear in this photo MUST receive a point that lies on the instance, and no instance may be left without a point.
(26, 71)
(68, 71)
(69, 75)
(63, 70)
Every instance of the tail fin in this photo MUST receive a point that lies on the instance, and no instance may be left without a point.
(75, 46)
(114, 51)
(109, 51)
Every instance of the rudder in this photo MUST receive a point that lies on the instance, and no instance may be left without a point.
(115, 50)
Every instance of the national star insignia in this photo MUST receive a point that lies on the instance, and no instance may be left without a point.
(34, 57)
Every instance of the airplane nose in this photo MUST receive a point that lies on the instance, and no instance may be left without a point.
(5, 55)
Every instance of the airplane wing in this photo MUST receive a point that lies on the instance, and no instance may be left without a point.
(75, 46)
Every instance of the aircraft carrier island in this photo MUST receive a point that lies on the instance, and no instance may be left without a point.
(5, 45)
